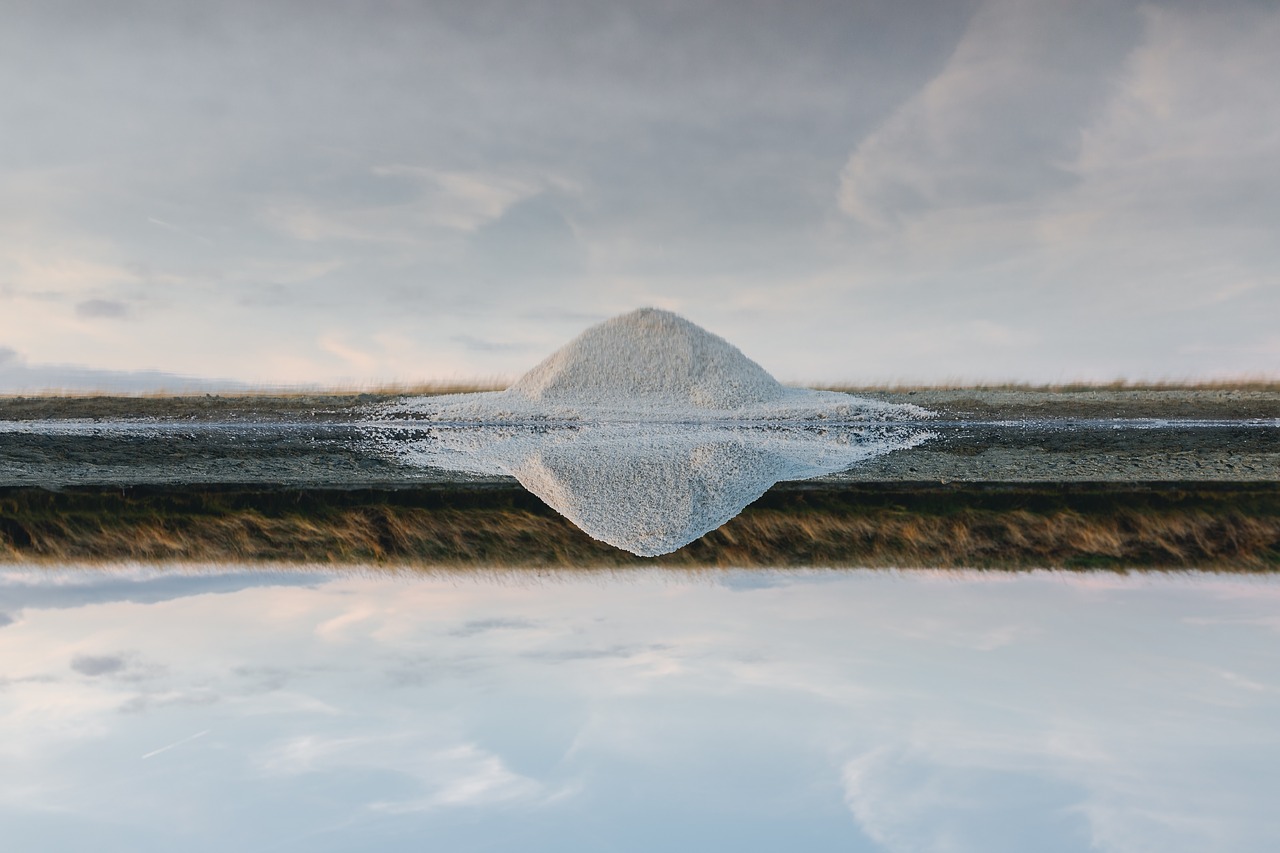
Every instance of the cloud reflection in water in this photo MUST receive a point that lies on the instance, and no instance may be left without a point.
(852, 711)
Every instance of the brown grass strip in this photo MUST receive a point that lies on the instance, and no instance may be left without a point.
(1234, 528)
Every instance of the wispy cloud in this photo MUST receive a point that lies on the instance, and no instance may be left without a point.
(458, 776)
(177, 743)
(112, 309)
(482, 345)
(997, 124)
(92, 665)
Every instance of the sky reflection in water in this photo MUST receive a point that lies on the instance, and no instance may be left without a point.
(749, 711)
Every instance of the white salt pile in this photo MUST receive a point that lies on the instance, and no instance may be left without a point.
(646, 431)
(649, 365)
(654, 357)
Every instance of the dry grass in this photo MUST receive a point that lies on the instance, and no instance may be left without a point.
(1019, 538)
(1222, 529)
(1264, 384)
(382, 389)
(1267, 384)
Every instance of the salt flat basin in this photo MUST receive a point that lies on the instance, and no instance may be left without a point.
(647, 492)
(256, 441)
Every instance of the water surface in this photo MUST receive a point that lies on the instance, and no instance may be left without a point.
(159, 710)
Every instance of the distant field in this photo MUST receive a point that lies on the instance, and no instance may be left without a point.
(1232, 528)
(1240, 399)
(464, 386)
(1267, 385)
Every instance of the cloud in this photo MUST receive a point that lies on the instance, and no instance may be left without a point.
(614, 652)
(1000, 121)
(481, 345)
(102, 308)
(174, 745)
(98, 665)
(5, 619)
(144, 702)
(532, 241)
(1189, 136)
(466, 200)
(474, 627)
(22, 592)
(266, 678)
(466, 776)
(410, 206)
(122, 666)
(458, 776)
(906, 806)
(18, 376)
(1135, 237)
(423, 671)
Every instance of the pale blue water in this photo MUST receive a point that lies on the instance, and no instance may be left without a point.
(145, 710)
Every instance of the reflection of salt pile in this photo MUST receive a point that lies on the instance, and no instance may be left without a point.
(644, 366)
(646, 431)
(653, 490)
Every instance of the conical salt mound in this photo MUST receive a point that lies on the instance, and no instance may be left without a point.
(649, 357)
(648, 366)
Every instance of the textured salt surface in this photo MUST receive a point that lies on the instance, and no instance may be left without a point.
(85, 426)
(647, 366)
(646, 431)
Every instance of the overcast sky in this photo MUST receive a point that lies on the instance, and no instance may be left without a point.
(849, 191)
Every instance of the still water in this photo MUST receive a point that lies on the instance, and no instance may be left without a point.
(177, 710)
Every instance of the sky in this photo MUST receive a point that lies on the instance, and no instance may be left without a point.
(866, 711)
(234, 193)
